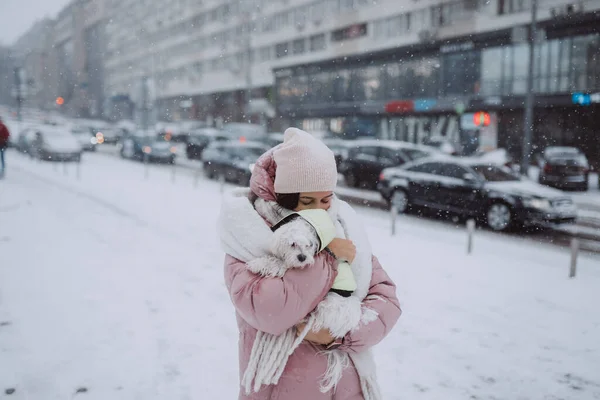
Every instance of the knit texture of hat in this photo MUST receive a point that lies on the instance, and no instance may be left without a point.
(304, 164)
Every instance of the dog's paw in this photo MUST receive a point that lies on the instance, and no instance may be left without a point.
(270, 267)
(338, 314)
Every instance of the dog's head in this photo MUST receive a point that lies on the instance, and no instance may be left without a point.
(295, 243)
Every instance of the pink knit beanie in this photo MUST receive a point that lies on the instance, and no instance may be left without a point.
(304, 164)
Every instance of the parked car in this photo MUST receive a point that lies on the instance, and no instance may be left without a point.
(199, 139)
(232, 161)
(243, 131)
(273, 139)
(339, 147)
(491, 193)
(367, 158)
(148, 148)
(564, 167)
(442, 144)
(86, 137)
(50, 143)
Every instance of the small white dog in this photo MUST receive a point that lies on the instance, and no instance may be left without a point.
(294, 246)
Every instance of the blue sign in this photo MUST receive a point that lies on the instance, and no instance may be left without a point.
(583, 99)
(424, 104)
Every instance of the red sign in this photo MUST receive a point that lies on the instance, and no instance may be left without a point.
(399, 107)
(481, 119)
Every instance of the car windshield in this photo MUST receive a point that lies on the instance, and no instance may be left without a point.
(492, 173)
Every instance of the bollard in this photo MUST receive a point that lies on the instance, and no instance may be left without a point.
(173, 172)
(222, 182)
(393, 215)
(196, 177)
(55, 166)
(78, 170)
(470, 231)
(64, 168)
(574, 254)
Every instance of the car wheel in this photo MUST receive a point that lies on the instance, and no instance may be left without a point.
(499, 217)
(399, 200)
(351, 179)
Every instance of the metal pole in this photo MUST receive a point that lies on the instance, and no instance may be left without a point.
(173, 172)
(146, 168)
(574, 254)
(393, 215)
(529, 98)
(248, 45)
(18, 94)
(470, 231)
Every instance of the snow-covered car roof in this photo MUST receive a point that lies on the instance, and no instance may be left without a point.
(392, 144)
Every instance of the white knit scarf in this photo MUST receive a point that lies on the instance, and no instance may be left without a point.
(245, 236)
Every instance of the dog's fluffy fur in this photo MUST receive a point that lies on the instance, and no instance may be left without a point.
(294, 246)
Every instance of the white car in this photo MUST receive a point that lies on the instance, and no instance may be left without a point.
(52, 143)
(86, 137)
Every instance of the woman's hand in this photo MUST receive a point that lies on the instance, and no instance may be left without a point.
(343, 249)
(322, 337)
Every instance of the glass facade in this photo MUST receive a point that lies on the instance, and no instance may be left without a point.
(563, 65)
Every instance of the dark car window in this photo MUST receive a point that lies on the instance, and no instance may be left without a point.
(492, 173)
(453, 171)
(364, 154)
(390, 156)
(246, 152)
(426, 168)
(414, 154)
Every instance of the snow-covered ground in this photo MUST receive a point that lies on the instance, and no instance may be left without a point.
(114, 283)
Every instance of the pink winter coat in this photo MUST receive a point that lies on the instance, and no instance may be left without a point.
(274, 305)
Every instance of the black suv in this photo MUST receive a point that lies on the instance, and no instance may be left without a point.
(564, 167)
(365, 159)
(232, 161)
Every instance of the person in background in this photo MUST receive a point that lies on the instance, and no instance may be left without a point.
(4, 135)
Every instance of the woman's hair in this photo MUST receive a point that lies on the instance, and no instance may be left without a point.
(288, 200)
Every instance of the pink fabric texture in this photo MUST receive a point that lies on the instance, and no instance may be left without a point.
(275, 305)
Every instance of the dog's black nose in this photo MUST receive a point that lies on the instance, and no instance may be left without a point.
(301, 257)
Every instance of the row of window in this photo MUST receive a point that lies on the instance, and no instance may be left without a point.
(562, 66)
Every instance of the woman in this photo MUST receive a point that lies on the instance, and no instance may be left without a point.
(301, 174)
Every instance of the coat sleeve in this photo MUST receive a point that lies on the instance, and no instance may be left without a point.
(381, 299)
(273, 305)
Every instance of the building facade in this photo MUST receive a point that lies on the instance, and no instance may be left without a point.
(452, 60)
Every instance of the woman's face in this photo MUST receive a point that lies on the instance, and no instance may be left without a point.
(313, 200)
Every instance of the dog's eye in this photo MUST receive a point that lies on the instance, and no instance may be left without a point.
(293, 244)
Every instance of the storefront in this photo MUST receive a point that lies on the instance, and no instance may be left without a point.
(418, 92)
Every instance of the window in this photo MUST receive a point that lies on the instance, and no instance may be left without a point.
(414, 154)
(389, 156)
(298, 46)
(426, 168)
(513, 6)
(317, 42)
(281, 50)
(349, 32)
(368, 153)
(453, 171)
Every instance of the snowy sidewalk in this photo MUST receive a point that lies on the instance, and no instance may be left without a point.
(114, 283)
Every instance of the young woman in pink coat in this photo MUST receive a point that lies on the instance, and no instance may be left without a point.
(301, 174)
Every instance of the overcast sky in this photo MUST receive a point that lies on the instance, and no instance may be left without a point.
(17, 16)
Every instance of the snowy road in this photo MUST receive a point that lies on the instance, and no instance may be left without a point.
(113, 283)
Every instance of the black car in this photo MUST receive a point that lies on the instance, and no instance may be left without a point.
(491, 193)
(232, 161)
(198, 140)
(148, 149)
(339, 147)
(365, 159)
(564, 167)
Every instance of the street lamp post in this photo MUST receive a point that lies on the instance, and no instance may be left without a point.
(530, 97)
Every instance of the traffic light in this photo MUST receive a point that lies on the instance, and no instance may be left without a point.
(60, 101)
(481, 119)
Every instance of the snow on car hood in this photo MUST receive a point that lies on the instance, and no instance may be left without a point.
(525, 188)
